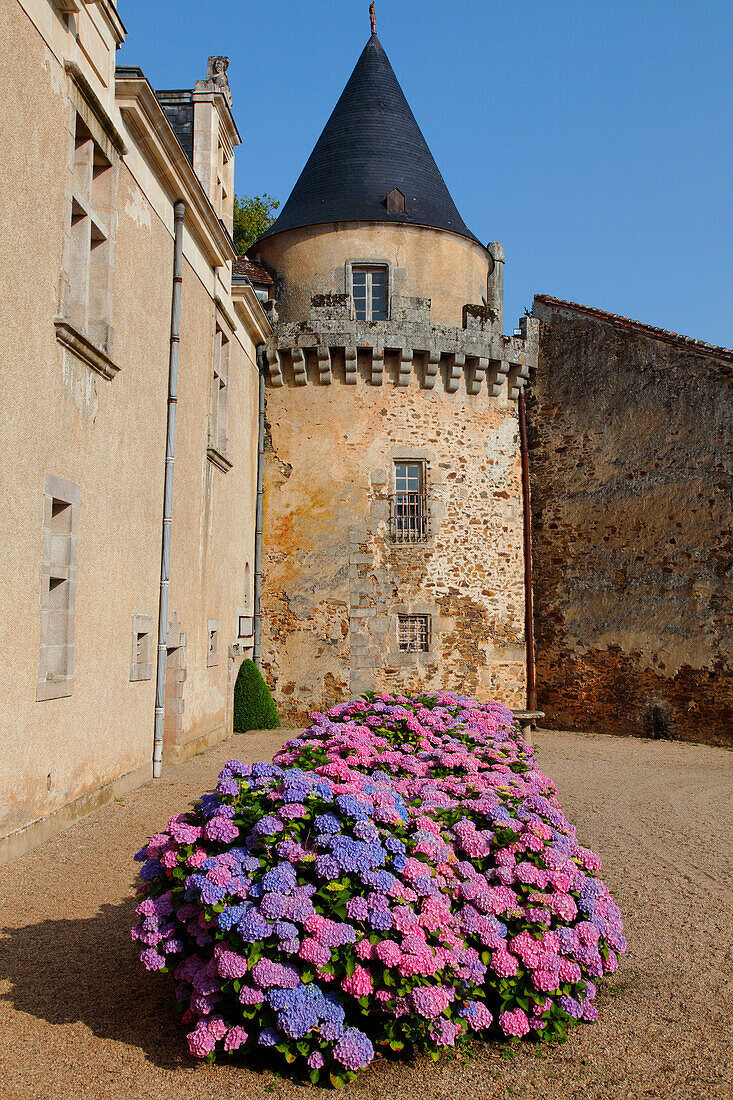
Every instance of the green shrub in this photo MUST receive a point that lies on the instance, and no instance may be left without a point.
(254, 707)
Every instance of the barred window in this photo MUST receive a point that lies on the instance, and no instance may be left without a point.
(409, 518)
(413, 633)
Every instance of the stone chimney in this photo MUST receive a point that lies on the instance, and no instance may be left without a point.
(214, 137)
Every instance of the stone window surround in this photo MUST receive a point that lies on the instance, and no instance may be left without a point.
(384, 481)
(369, 261)
(213, 634)
(423, 629)
(84, 103)
(217, 450)
(405, 658)
(141, 665)
(248, 624)
(57, 488)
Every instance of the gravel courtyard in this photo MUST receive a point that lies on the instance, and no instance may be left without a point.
(80, 1019)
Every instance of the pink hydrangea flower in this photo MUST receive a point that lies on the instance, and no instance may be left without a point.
(359, 984)
(514, 1023)
(235, 1038)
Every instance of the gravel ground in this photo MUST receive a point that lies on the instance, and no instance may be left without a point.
(79, 1018)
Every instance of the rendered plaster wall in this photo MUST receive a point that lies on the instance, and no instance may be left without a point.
(631, 482)
(334, 583)
(61, 417)
(59, 757)
(427, 263)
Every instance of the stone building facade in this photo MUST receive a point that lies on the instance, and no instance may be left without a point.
(631, 466)
(346, 502)
(90, 170)
(393, 556)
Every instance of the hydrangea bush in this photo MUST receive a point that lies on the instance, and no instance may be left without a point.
(401, 876)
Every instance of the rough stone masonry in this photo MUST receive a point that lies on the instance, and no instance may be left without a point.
(632, 487)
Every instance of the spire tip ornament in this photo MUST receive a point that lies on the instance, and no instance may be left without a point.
(373, 17)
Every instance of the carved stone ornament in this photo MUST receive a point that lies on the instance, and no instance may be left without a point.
(216, 72)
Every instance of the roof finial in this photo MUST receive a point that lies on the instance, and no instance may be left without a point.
(373, 17)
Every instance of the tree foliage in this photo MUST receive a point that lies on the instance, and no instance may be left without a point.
(254, 707)
(252, 217)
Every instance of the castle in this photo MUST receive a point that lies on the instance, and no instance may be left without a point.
(317, 455)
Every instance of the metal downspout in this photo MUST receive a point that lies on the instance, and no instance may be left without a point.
(258, 514)
(527, 527)
(179, 210)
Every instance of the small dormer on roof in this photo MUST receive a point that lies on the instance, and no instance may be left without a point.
(371, 163)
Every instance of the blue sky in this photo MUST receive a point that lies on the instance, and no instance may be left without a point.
(593, 139)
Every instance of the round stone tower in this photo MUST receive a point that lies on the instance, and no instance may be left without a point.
(392, 547)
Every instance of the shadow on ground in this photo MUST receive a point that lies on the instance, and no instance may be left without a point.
(87, 970)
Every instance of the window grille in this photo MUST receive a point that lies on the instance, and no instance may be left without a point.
(409, 511)
(369, 290)
(413, 632)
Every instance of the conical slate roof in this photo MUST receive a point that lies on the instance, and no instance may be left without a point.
(370, 145)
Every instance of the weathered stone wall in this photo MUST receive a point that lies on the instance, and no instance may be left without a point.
(334, 582)
(631, 480)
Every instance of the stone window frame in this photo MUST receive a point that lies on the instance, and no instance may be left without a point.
(423, 632)
(84, 321)
(367, 261)
(58, 575)
(408, 659)
(141, 665)
(435, 509)
(217, 449)
(244, 624)
(213, 634)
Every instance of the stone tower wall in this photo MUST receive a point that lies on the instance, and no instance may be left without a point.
(424, 263)
(632, 492)
(334, 581)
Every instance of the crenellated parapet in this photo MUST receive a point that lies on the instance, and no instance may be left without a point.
(406, 345)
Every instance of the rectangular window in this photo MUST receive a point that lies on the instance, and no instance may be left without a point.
(218, 449)
(369, 290)
(58, 589)
(141, 666)
(89, 272)
(214, 628)
(413, 633)
(409, 514)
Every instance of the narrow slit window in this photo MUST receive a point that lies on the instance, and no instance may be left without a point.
(58, 589)
(369, 290)
(218, 447)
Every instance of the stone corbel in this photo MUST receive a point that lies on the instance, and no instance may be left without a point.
(477, 374)
(377, 365)
(300, 371)
(273, 364)
(456, 370)
(403, 378)
(431, 368)
(516, 378)
(350, 364)
(497, 374)
(324, 364)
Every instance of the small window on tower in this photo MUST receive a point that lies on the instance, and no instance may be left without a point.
(396, 202)
(369, 290)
